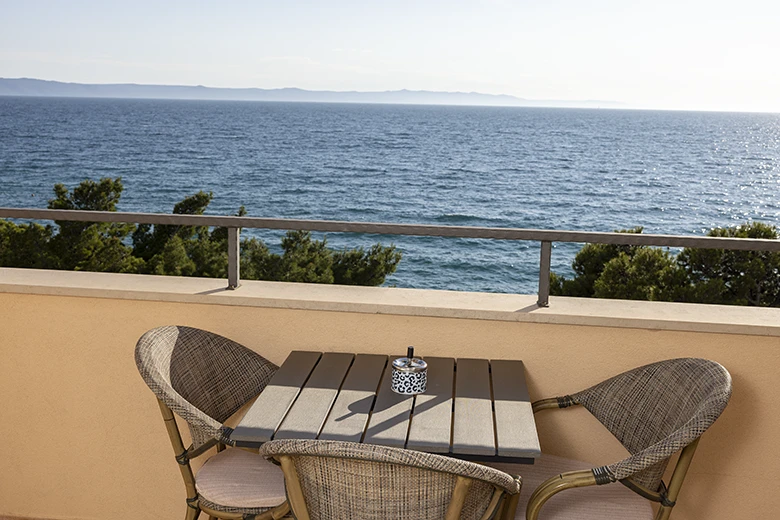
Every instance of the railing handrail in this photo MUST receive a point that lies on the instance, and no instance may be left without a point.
(545, 236)
(383, 228)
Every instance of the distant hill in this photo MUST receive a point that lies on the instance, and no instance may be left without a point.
(43, 88)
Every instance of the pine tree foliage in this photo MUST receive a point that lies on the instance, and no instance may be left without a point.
(178, 250)
(694, 275)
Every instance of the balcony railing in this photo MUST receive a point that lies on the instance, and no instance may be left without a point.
(544, 237)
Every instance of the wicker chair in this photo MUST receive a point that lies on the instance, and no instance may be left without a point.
(205, 378)
(654, 411)
(334, 480)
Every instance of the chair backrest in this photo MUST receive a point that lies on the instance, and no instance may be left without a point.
(203, 377)
(346, 480)
(658, 409)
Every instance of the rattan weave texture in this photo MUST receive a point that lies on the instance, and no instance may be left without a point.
(656, 410)
(203, 377)
(353, 481)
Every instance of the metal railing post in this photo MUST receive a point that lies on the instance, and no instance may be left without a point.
(234, 258)
(544, 274)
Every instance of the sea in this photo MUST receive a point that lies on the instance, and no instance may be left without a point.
(546, 168)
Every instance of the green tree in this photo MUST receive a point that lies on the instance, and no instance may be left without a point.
(85, 246)
(25, 245)
(361, 267)
(149, 240)
(184, 250)
(307, 260)
(173, 260)
(735, 277)
(257, 262)
(647, 274)
(179, 250)
(588, 265)
(695, 275)
(304, 259)
(196, 251)
(209, 254)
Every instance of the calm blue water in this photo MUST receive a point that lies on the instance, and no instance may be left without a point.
(596, 170)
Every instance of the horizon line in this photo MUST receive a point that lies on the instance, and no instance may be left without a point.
(537, 103)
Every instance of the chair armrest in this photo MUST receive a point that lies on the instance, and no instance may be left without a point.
(554, 403)
(556, 484)
(652, 455)
(636, 462)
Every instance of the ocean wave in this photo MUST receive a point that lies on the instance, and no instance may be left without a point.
(463, 218)
(354, 169)
(294, 191)
(464, 170)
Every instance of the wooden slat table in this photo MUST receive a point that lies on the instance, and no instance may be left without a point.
(474, 409)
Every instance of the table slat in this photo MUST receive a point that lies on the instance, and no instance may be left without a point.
(349, 415)
(270, 408)
(515, 426)
(472, 432)
(432, 416)
(309, 411)
(389, 422)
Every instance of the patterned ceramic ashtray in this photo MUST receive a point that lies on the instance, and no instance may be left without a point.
(410, 374)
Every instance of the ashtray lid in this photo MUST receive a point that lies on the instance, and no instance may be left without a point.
(406, 364)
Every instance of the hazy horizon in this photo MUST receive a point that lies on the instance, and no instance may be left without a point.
(522, 102)
(54, 88)
(682, 55)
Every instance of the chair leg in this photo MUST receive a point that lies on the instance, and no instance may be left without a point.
(676, 481)
(499, 514)
(663, 513)
(192, 513)
(510, 507)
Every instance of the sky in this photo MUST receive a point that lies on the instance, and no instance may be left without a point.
(684, 54)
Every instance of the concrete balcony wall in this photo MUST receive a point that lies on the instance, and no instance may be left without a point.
(83, 437)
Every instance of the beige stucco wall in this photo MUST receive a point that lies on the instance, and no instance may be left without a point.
(82, 435)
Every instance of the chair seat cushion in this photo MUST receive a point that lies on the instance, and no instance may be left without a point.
(589, 503)
(236, 479)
